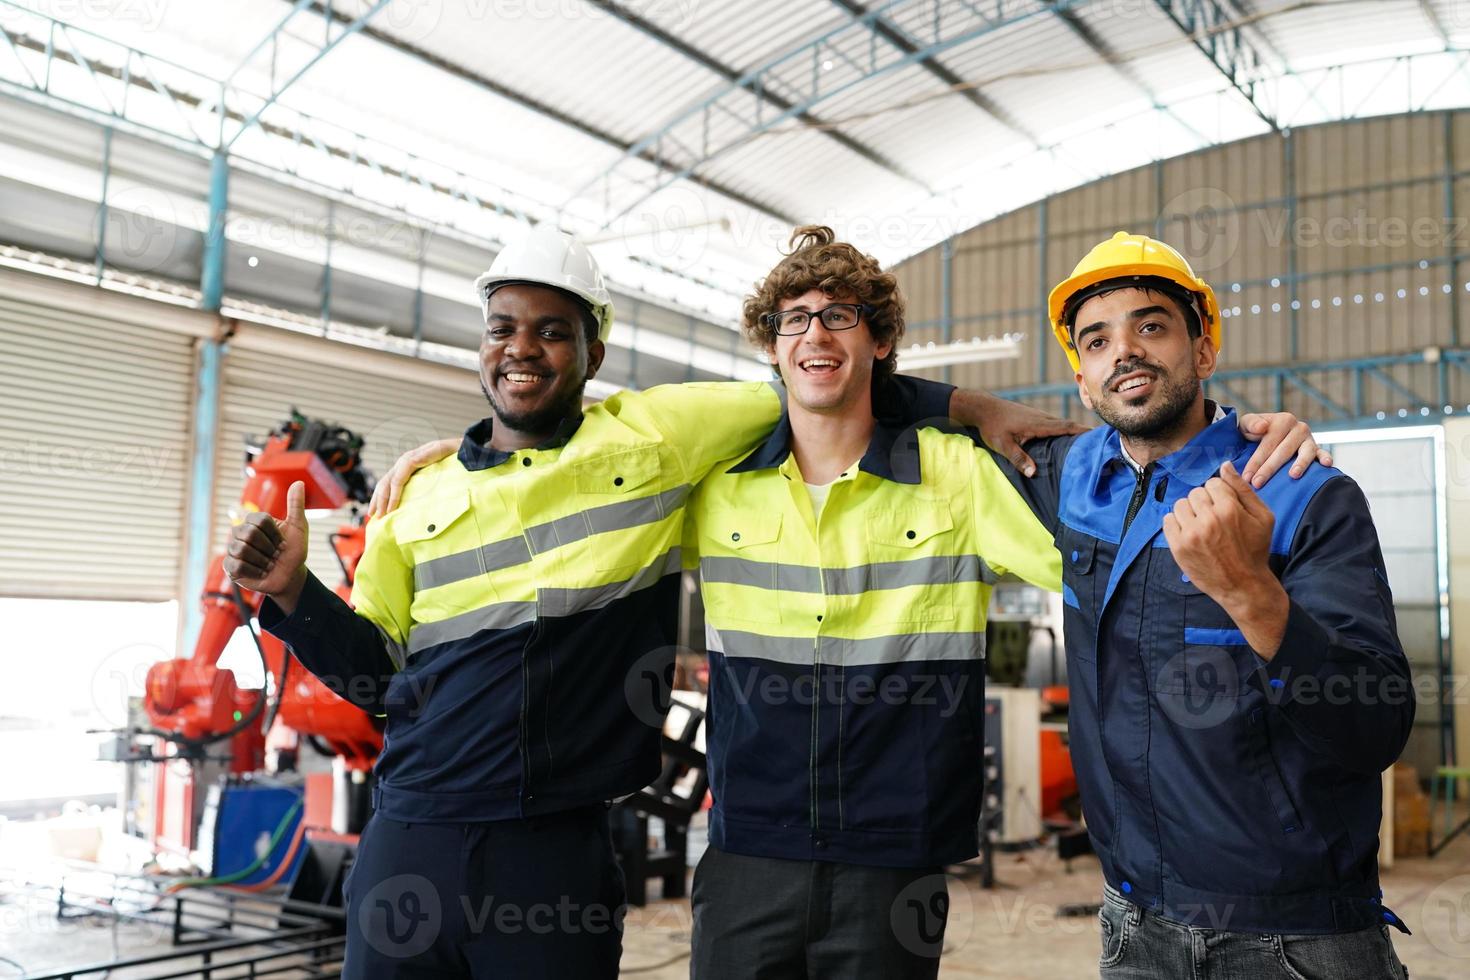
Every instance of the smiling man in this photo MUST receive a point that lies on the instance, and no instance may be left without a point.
(1236, 681)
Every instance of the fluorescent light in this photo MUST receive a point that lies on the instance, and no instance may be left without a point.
(914, 357)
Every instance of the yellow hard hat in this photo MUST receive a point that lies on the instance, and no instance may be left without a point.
(1123, 257)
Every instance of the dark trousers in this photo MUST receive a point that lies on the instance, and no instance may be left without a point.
(1139, 945)
(502, 900)
(767, 919)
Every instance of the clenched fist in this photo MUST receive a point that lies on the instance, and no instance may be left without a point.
(1221, 537)
(269, 556)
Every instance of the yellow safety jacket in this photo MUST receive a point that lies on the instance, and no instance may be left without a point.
(847, 647)
(527, 601)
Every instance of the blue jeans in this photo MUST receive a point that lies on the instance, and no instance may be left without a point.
(1139, 945)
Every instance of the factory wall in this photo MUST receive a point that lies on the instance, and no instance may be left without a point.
(1325, 244)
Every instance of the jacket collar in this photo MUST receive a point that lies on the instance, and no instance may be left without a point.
(475, 452)
(892, 454)
(1194, 463)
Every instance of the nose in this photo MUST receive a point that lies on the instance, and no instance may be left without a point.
(1127, 348)
(817, 327)
(523, 345)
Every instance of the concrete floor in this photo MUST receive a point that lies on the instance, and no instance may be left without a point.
(1012, 931)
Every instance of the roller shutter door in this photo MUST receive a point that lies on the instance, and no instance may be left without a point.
(94, 442)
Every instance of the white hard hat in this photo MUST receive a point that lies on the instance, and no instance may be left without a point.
(547, 256)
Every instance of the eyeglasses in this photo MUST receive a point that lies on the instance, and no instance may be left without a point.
(838, 316)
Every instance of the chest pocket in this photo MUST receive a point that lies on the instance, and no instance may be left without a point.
(617, 493)
(912, 547)
(1080, 592)
(440, 537)
(1197, 650)
(744, 550)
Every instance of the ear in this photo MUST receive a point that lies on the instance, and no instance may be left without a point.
(1206, 358)
(596, 351)
(1082, 392)
(882, 350)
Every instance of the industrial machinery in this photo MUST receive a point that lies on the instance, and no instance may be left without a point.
(203, 728)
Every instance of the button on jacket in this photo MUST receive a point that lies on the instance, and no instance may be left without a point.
(1221, 789)
(847, 648)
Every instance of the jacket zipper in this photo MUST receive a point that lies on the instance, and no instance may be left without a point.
(1140, 490)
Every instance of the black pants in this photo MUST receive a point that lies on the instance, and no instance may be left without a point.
(768, 919)
(504, 900)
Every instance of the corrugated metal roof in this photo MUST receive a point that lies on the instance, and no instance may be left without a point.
(792, 109)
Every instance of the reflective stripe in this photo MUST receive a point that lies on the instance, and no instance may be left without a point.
(610, 517)
(550, 602)
(544, 537)
(499, 616)
(467, 564)
(760, 574)
(565, 602)
(902, 647)
(929, 570)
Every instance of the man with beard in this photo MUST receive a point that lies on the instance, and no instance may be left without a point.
(1237, 685)
(499, 615)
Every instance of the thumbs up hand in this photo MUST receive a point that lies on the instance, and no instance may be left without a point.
(269, 556)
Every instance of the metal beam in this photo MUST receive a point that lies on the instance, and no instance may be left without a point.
(205, 444)
(1357, 370)
(500, 89)
(732, 76)
(697, 117)
(1118, 63)
(1432, 15)
(966, 90)
(1215, 30)
(272, 39)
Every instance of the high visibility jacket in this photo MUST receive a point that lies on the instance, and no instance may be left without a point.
(519, 599)
(1221, 789)
(847, 649)
(516, 616)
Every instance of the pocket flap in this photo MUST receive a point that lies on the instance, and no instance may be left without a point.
(1079, 552)
(1173, 578)
(908, 528)
(740, 532)
(618, 473)
(430, 518)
